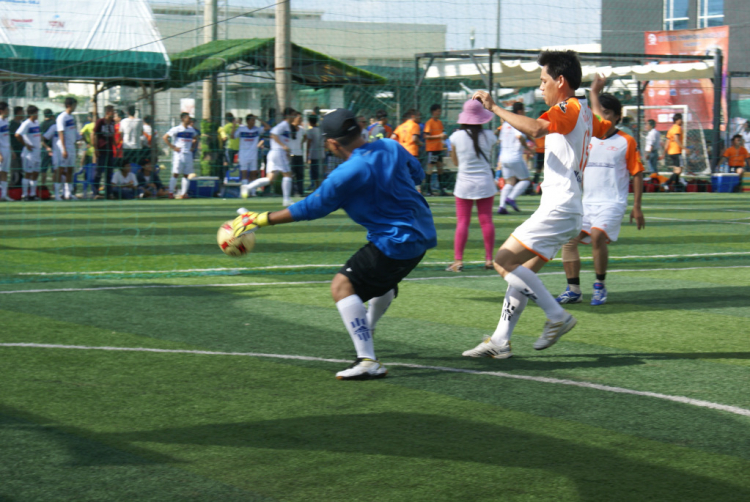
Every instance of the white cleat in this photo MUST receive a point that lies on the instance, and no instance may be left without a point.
(287, 203)
(553, 331)
(363, 369)
(71, 197)
(8, 199)
(490, 349)
(244, 191)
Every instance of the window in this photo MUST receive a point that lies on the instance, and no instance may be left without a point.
(710, 13)
(676, 14)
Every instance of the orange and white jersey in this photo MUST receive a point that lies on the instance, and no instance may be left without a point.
(611, 163)
(572, 125)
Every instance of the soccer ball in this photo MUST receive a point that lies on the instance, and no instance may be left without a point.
(231, 245)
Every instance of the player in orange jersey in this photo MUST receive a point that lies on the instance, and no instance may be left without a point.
(737, 157)
(569, 126)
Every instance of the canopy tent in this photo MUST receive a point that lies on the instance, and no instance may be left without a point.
(255, 56)
(83, 40)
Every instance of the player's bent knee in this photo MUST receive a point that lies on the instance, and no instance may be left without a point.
(341, 287)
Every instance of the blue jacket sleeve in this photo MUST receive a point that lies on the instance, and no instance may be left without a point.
(415, 167)
(333, 193)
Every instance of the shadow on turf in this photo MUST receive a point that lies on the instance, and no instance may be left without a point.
(599, 473)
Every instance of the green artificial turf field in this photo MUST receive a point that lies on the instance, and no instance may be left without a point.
(646, 399)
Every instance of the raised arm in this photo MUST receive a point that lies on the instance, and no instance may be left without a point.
(535, 128)
(596, 88)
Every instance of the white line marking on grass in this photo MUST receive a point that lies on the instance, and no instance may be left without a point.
(587, 385)
(734, 222)
(336, 265)
(293, 283)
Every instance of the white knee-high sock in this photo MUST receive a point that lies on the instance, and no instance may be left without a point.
(66, 189)
(354, 315)
(505, 193)
(32, 188)
(513, 306)
(3, 189)
(527, 282)
(25, 187)
(185, 185)
(376, 307)
(57, 190)
(172, 184)
(519, 188)
(286, 187)
(260, 182)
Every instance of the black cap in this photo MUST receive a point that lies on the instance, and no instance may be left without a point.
(338, 123)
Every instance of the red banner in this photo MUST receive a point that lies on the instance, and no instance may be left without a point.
(697, 94)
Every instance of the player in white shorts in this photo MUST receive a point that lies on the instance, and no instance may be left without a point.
(30, 134)
(278, 158)
(515, 170)
(66, 145)
(182, 140)
(5, 151)
(612, 161)
(568, 126)
(250, 141)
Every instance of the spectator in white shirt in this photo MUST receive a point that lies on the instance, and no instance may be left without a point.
(131, 130)
(653, 140)
(746, 133)
(124, 183)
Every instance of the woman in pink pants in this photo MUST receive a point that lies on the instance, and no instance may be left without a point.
(471, 145)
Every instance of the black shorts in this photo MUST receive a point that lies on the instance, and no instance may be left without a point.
(676, 160)
(434, 157)
(539, 161)
(373, 274)
(733, 169)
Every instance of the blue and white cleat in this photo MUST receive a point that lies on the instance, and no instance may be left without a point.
(600, 294)
(569, 297)
(512, 203)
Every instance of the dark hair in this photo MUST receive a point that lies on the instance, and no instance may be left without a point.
(611, 103)
(289, 111)
(652, 122)
(91, 115)
(676, 117)
(70, 101)
(31, 110)
(229, 116)
(355, 133)
(312, 120)
(565, 63)
(3, 106)
(131, 110)
(381, 114)
(249, 116)
(435, 107)
(474, 130)
(518, 106)
(109, 108)
(18, 110)
(183, 115)
(148, 119)
(120, 114)
(736, 136)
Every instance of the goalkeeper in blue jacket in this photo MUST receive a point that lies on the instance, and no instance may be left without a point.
(376, 186)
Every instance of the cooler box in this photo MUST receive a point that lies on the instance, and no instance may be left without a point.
(724, 182)
(203, 186)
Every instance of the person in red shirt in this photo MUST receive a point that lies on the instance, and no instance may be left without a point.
(737, 157)
(434, 134)
(117, 145)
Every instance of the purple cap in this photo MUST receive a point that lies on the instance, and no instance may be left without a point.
(474, 113)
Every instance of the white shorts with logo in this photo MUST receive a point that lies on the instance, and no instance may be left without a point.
(182, 164)
(517, 169)
(545, 232)
(278, 160)
(605, 217)
(63, 162)
(248, 162)
(5, 164)
(31, 161)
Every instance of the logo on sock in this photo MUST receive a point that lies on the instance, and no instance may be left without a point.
(508, 311)
(528, 293)
(361, 329)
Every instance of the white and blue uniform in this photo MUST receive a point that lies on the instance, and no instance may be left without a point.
(67, 124)
(376, 188)
(50, 136)
(249, 139)
(511, 153)
(182, 137)
(278, 158)
(5, 146)
(31, 134)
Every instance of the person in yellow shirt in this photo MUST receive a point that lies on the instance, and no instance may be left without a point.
(737, 156)
(675, 143)
(408, 132)
(434, 135)
(231, 144)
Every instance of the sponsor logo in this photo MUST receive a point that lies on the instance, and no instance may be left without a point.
(612, 148)
(563, 106)
(651, 39)
(361, 329)
(508, 310)
(16, 24)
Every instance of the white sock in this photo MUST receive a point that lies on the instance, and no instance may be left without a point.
(25, 187)
(286, 187)
(527, 282)
(575, 288)
(66, 189)
(354, 315)
(513, 306)
(185, 185)
(172, 184)
(32, 188)
(376, 307)
(519, 188)
(3, 189)
(57, 190)
(504, 193)
(260, 182)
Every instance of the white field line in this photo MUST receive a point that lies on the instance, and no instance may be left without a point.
(334, 265)
(734, 222)
(573, 383)
(294, 283)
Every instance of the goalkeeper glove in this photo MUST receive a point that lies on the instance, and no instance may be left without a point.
(249, 222)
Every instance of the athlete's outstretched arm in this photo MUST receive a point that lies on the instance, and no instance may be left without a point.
(597, 86)
(535, 128)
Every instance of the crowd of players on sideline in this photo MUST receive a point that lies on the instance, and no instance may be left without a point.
(30, 148)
